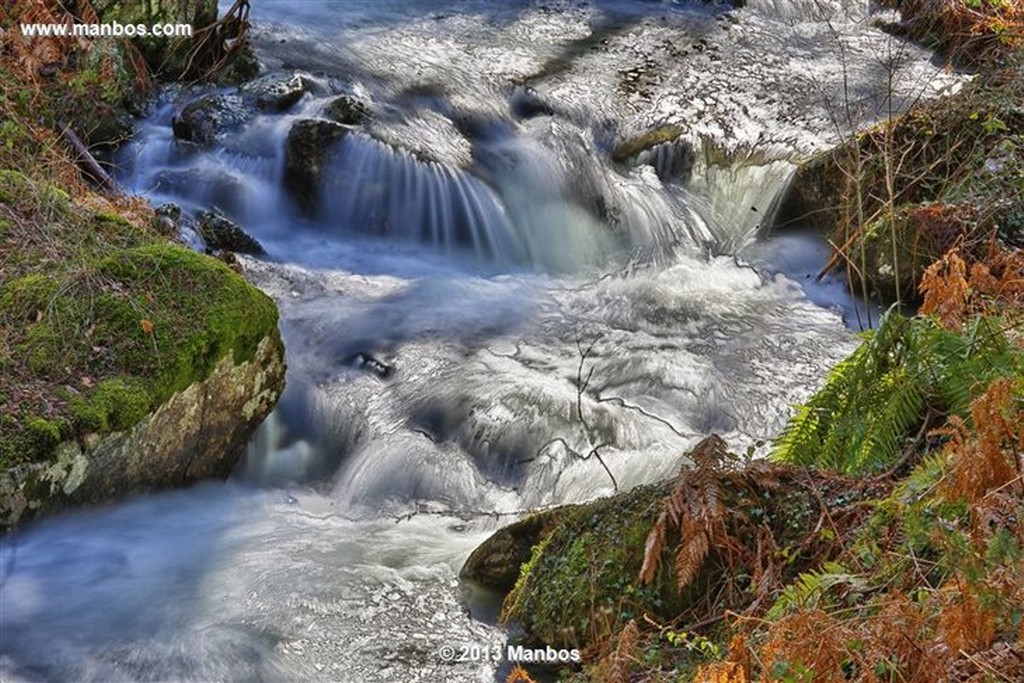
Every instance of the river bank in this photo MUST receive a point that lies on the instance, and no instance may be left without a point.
(129, 362)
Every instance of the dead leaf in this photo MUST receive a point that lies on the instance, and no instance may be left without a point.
(147, 326)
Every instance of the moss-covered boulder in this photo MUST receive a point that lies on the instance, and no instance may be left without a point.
(723, 524)
(167, 57)
(198, 433)
(139, 360)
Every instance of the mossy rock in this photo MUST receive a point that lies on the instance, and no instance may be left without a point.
(581, 583)
(166, 57)
(152, 320)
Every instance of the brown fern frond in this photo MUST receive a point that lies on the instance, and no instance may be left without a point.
(620, 662)
(519, 675)
(694, 507)
(653, 548)
(964, 626)
(690, 558)
(721, 672)
(985, 456)
(944, 287)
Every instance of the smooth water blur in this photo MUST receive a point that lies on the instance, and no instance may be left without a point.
(486, 296)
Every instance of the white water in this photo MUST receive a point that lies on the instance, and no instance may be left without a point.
(477, 263)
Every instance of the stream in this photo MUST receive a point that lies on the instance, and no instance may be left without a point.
(484, 315)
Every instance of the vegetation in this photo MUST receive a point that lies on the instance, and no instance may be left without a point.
(882, 540)
(899, 558)
(101, 318)
(971, 31)
(947, 173)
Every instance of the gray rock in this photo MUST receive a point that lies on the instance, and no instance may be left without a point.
(306, 151)
(221, 233)
(347, 110)
(209, 117)
(275, 93)
(197, 434)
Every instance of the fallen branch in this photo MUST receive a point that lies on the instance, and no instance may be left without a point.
(88, 163)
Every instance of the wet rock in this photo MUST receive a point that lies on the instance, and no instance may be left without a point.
(221, 233)
(199, 433)
(306, 151)
(631, 147)
(370, 363)
(209, 117)
(167, 219)
(496, 563)
(275, 93)
(814, 195)
(347, 110)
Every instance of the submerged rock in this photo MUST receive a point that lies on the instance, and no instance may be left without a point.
(526, 103)
(306, 151)
(220, 232)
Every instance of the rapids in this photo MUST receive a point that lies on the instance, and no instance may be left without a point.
(485, 314)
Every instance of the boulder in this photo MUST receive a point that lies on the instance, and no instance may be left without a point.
(275, 93)
(496, 563)
(581, 582)
(306, 151)
(168, 58)
(221, 233)
(209, 117)
(347, 110)
(197, 434)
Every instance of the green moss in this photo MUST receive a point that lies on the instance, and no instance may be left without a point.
(24, 438)
(100, 319)
(24, 299)
(580, 583)
(115, 405)
(45, 433)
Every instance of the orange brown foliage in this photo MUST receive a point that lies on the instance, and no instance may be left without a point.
(993, 286)
(985, 456)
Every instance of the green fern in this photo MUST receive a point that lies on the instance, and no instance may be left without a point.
(810, 589)
(872, 401)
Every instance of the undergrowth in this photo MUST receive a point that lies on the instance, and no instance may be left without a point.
(887, 547)
(101, 318)
(947, 173)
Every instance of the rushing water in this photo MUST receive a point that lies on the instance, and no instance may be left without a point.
(481, 299)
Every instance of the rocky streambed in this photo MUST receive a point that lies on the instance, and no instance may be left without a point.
(518, 254)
